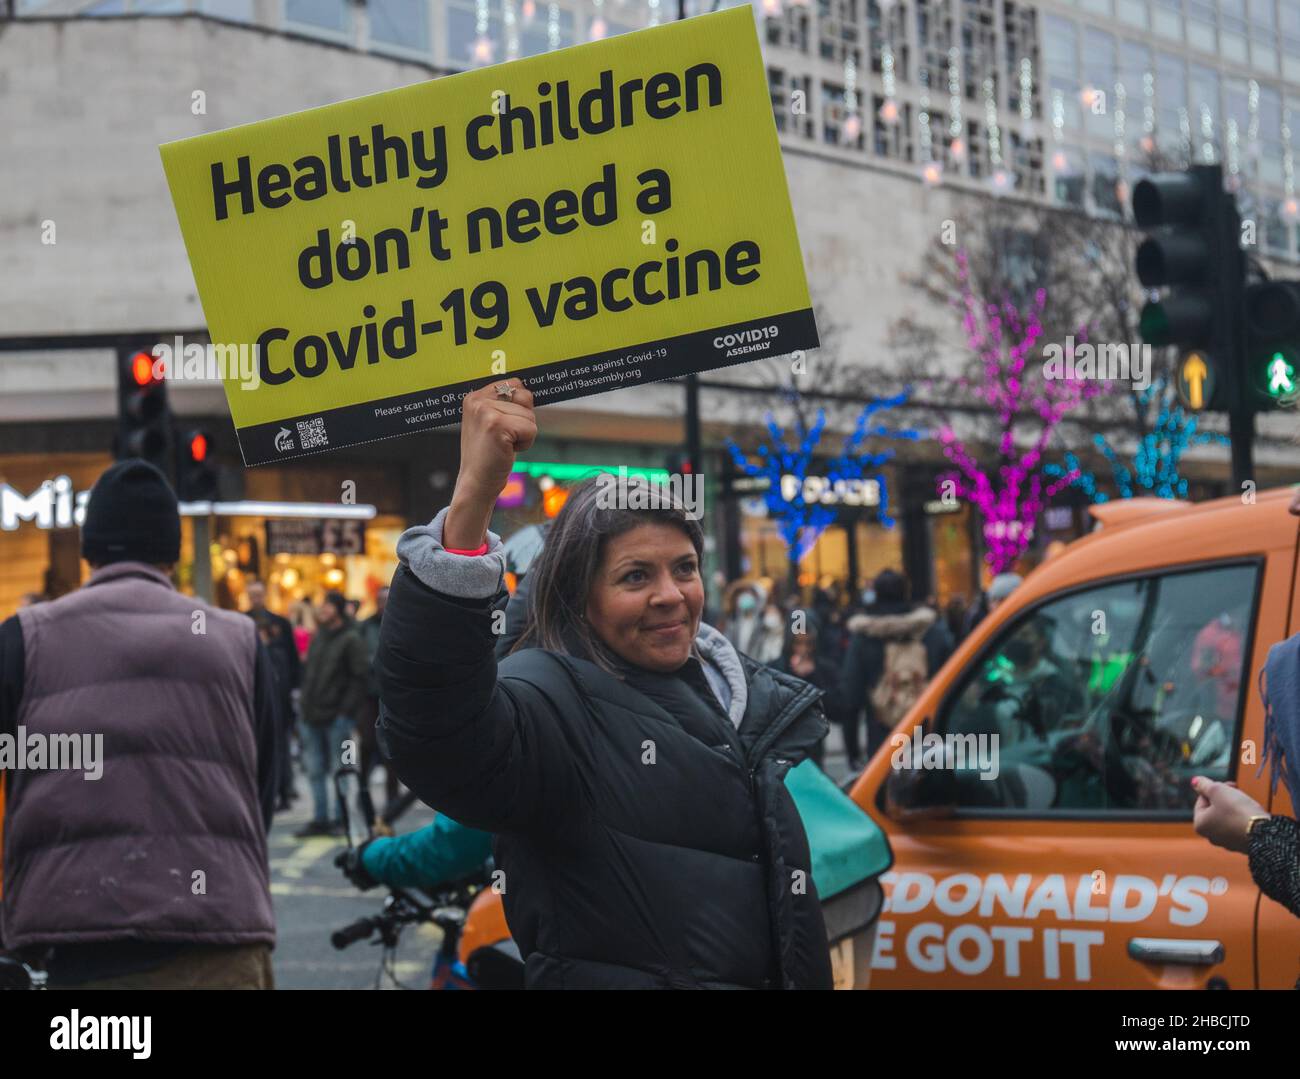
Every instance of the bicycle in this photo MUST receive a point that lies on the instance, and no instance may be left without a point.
(447, 907)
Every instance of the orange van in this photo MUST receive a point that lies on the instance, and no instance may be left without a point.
(1037, 798)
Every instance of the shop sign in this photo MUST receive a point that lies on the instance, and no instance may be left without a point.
(52, 505)
(307, 537)
(842, 492)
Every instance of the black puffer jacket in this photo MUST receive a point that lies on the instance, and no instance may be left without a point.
(646, 842)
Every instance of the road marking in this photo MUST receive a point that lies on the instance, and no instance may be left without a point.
(309, 852)
(280, 887)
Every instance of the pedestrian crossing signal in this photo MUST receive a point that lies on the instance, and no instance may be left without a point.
(1273, 342)
(1280, 376)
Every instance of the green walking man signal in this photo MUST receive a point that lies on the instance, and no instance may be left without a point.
(1281, 377)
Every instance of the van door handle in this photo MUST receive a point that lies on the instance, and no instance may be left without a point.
(1191, 953)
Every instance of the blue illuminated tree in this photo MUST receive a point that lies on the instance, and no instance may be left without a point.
(1153, 469)
(803, 511)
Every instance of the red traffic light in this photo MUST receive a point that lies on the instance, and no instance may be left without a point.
(198, 447)
(141, 366)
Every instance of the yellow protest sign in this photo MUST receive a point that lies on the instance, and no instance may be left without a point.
(589, 219)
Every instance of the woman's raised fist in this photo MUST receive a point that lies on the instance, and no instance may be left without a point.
(495, 425)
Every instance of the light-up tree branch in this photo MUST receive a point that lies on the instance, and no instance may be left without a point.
(1028, 407)
(1154, 466)
(802, 509)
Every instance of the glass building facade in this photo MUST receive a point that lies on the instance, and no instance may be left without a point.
(1065, 103)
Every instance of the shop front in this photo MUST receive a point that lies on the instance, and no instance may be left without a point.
(299, 546)
(953, 557)
(855, 543)
(298, 550)
(42, 498)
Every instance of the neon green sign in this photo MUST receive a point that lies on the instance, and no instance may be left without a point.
(562, 473)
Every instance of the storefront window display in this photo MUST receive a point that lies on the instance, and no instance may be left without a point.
(764, 554)
(299, 559)
(879, 548)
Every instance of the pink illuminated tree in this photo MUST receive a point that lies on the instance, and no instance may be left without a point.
(1027, 406)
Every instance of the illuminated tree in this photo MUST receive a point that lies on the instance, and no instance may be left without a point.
(803, 511)
(1028, 408)
(1153, 469)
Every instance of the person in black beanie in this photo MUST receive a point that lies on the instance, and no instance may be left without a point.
(172, 706)
(132, 516)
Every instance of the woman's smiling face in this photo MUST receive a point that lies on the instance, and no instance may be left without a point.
(647, 596)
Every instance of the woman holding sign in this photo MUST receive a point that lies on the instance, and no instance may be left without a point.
(628, 759)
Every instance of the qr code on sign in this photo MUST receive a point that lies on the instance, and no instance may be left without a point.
(311, 433)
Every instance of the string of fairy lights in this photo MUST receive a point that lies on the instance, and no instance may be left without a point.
(944, 148)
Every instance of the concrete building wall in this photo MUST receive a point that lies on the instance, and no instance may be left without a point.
(84, 105)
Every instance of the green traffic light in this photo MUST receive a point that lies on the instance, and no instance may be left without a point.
(1281, 376)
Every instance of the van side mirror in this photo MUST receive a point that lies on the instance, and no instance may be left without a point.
(916, 793)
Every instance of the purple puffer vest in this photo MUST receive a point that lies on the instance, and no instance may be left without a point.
(168, 844)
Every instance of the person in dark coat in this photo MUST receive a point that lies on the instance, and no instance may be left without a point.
(805, 657)
(369, 633)
(629, 761)
(954, 613)
(276, 633)
(889, 617)
(986, 602)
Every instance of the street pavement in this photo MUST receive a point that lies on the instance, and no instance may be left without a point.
(312, 898)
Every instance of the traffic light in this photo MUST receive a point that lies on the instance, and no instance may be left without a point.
(1271, 371)
(1193, 248)
(196, 475)
(680, 464)
(143, 418)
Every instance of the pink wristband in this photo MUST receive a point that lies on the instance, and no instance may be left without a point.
(471, 554)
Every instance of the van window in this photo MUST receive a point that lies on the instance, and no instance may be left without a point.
(1110, 698)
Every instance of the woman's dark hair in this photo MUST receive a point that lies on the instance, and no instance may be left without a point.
(560, 578)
